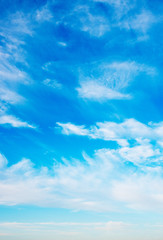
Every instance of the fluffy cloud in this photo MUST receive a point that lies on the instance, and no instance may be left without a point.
(125, 177)
(132, 172)
(120, 132)
(139, 193)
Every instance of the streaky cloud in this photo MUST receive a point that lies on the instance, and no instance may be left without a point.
(112, 131)
(14, 122)
(98, 92)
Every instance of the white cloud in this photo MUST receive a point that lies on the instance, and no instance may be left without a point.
(103, 225)
(98, 23)
(108, 80)
(9, 96)
(98, 92)
(121, 73)
(65, 230)
(63, 44)
(52, 83)
(110, 180)
(139, 192)
(13, 32)
(12, 61)
(141, 22)
(96, 26)
(53, 66)
(12, 53)
(86, 20)
(138, 154)
(87, 230)
(9, 72)
(44, 14)
(120, 7)
(68, 128)
(120, 132)
(129, 129)
(141, 151)
(14, 122)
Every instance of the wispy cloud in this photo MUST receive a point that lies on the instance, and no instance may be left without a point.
(53, 83)
(99, 185)
(129, 129)
(80, 230)
(64, 230)
(120, 74)
(44, 14)
(9, 96)
(95, 17)
(112, 225)
(14, 121)
(109, 179)
(95, 24)
(108, 80)
(98, 92)
(13, 65)
(69, 128)
(120, 7)
(12, 54)
(86, 46)
(140, 23)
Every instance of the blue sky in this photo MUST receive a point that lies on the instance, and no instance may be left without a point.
(81, 119)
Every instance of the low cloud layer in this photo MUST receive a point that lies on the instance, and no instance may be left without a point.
(129, 176)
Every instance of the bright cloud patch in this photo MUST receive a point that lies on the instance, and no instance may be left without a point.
(13, 121)
(99, 183)
(129, 129)
(13, 61)
(72, 70)
(108, 81)
(69, 128)
(94, 91)
(127, 175)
